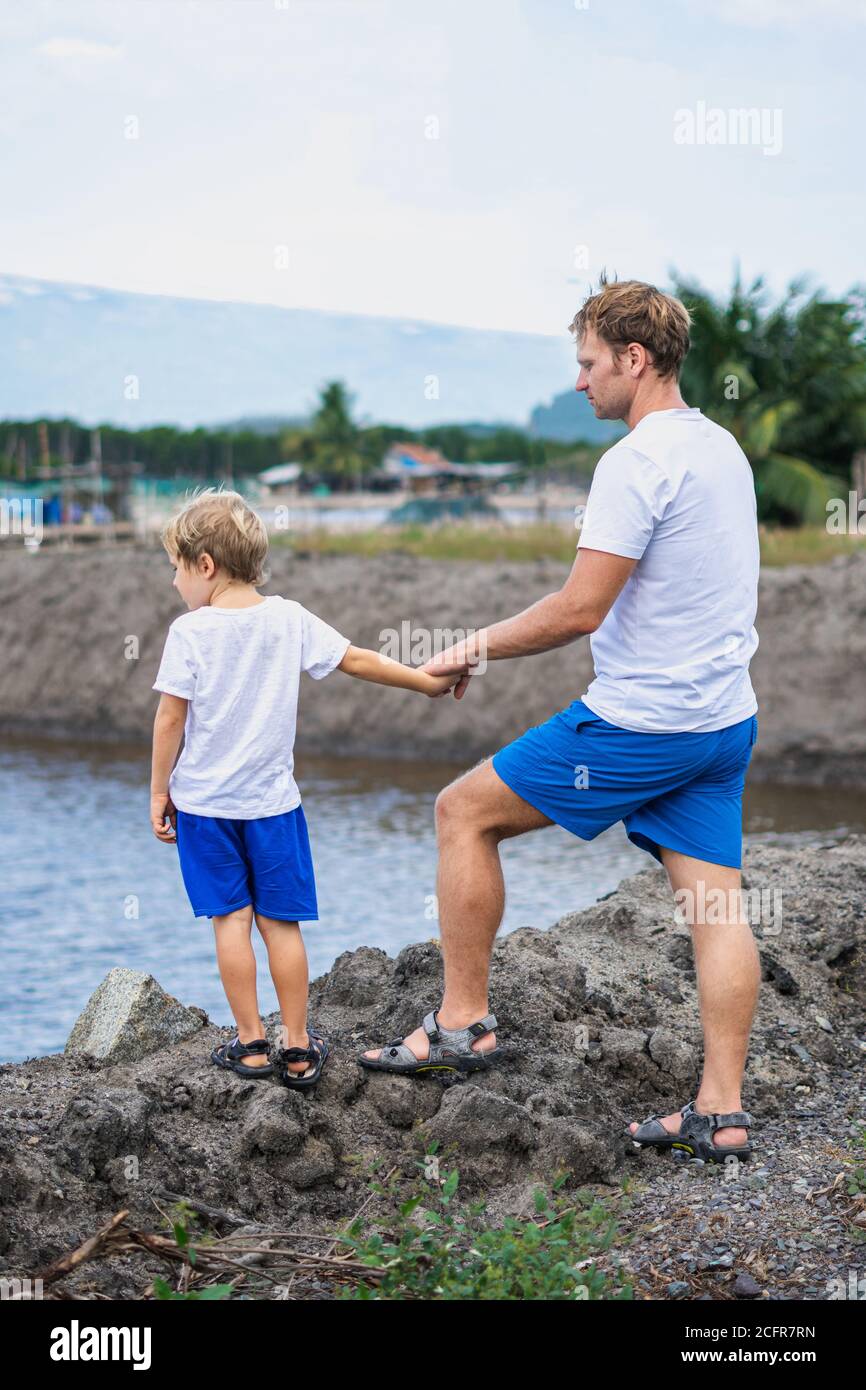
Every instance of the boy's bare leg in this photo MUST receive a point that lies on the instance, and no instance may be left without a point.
(472, 815)
(237, 966)
(287, 960)
(729, 976)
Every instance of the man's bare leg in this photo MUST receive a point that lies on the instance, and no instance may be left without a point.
(472, 815)
(729, 976)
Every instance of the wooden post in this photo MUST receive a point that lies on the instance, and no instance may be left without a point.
(44, 451)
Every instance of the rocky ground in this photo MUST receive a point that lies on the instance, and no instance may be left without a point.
(600, 1015)
(82, 633)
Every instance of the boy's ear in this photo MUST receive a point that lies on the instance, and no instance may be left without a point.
(205, 565)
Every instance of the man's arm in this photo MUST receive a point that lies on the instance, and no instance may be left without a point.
(578, 608)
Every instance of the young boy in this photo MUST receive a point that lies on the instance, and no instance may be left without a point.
(229, 680)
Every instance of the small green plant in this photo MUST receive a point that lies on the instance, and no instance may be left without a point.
(182, 1218)
(856, 1176)
(162, 1290)
(426, 1247)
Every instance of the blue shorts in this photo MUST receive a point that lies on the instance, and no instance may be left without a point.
(227, 864)
(676, 791)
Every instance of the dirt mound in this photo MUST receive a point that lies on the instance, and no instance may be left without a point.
(600, 1015)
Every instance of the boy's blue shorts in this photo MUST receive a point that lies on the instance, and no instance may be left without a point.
(678, 791)
(227, 864)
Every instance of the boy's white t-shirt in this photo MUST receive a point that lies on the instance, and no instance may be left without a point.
(240, 669)
(673, 652)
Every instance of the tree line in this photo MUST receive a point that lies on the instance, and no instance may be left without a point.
(786, 376)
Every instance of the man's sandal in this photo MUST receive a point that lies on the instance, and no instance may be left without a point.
(228, 1055)
(695, 1136)
(315, 1055)
(450, 1050)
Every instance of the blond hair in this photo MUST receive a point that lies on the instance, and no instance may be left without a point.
(220, 524)
(629, 311)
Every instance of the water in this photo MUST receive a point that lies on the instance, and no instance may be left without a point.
(87, 886)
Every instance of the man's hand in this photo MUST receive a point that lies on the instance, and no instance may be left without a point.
(435, 685)
(162, 809)
(452, 663)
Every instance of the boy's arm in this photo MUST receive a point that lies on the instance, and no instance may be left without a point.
(384, 670)
(167, 733)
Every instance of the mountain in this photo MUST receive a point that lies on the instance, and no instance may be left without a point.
(108, 356)
(570, 416)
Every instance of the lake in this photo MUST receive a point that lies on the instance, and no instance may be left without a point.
(88, 887)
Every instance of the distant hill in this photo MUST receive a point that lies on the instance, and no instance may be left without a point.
(261, 424)
(101, 355)
(570, 416)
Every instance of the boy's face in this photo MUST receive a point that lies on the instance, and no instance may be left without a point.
(194, 583)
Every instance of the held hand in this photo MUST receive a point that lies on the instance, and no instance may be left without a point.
(437, 686)
(453, 663)
(161, 809)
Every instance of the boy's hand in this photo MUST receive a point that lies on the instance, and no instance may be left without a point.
(436, 686)
(161, 809)
(458, 671)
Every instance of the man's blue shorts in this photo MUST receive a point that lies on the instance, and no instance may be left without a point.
(678, 791)
(227, 864)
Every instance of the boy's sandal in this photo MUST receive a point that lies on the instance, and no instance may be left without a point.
(695, 1136)
(450, 1050)
(228, 1055)
(315, 1055)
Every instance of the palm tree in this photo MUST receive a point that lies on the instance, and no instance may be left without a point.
(336, 438)
(752, 369)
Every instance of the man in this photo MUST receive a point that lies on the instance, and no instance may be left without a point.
(665, 585)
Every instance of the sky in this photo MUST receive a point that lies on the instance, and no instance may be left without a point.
(475, 162)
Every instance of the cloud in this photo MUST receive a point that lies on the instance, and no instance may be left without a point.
(788, 14)
(64, 48)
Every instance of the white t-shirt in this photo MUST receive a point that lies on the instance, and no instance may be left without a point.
(240, 670)
(673, 652)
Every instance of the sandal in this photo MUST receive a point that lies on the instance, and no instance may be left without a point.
(695, 1136)
(450, 1050)
(228, 1054)
(315, 1054)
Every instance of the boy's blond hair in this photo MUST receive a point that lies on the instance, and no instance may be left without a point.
(221, 524)
(629, 311)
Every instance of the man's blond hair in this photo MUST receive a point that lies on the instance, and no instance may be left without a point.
(221, 524)
(629, 311)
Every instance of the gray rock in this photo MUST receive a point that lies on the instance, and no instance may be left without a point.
(672, 1053)
(275, 1123)
(128, 1017)
(483, 1134)
(96, 1128)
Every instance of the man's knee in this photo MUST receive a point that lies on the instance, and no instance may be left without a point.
(451, 809)
(458, 807)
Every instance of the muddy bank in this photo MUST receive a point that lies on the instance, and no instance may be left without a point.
(600, 1015)
(82, 634)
